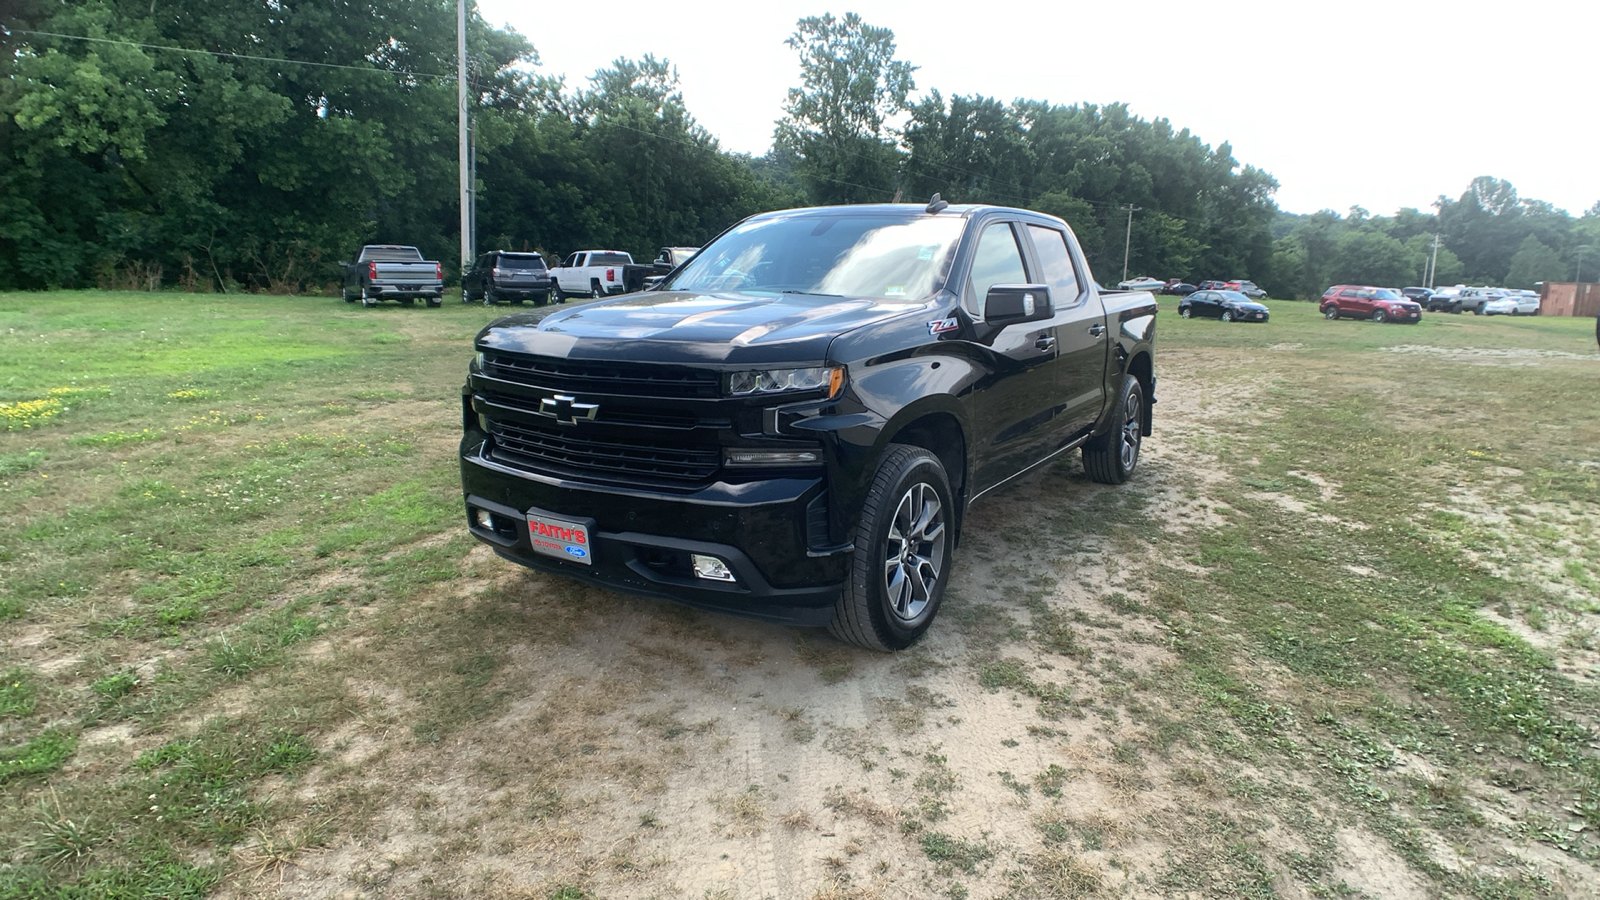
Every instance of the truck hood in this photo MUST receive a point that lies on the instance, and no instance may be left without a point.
(690, 327)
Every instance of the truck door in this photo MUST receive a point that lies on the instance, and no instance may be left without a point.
(1082, 344)
(1016, 404)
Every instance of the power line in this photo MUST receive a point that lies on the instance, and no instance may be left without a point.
(227, 55)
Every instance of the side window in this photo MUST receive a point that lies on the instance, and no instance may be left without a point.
(572, 262)
(997, 261)
(1056, 260)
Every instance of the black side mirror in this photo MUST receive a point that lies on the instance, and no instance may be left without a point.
(1007, 303)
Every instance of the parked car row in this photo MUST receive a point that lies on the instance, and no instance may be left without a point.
(1483, 301)
(395, 272)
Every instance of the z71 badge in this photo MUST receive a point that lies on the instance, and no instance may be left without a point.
(940, 326)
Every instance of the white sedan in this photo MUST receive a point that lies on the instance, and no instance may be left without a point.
(1142, 283)
(1512, 305)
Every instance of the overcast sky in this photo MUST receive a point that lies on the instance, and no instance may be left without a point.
(1376, 104)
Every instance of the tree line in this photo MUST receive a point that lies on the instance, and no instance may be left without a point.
(236, 145)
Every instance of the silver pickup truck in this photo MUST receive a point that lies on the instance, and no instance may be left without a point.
(392, 272)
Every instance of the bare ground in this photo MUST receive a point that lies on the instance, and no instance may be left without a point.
(639, 749)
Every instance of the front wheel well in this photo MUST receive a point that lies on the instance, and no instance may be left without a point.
(941, 435)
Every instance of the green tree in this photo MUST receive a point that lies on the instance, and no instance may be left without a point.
(1533, 263)
(1372, 257)
(837, 122)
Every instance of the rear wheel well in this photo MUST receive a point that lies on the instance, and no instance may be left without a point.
(940, 434)
(1141, 368)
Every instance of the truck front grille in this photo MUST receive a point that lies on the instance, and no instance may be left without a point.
(620, 379)
(563, 450)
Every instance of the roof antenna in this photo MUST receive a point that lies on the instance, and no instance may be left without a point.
(936, 204)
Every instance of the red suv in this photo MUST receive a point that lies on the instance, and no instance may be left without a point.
(1363, 301)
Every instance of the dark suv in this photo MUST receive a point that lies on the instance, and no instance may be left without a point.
(504, 275)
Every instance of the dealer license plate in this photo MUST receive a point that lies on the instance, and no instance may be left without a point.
(561, 538)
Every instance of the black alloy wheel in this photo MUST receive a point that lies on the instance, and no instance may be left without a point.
(1112, 457)
(904, 548)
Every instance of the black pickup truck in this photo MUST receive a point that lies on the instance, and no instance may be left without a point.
(793, 426)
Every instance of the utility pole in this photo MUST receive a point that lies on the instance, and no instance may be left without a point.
(1127, 242)
(467, 243)
(1433, 267)
(1577, 276)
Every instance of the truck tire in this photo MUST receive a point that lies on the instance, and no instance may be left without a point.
(490, 297)
(1110, 458)
(557, 293)
(346, 294)
(904, 548)
(595, 290)
(368, 302)
(435, 302)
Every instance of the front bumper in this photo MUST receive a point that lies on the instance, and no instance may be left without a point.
(767, 532)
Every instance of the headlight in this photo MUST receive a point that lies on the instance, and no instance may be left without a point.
(477, 361)
(773, 381)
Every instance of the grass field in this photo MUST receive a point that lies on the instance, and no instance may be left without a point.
(1339, 637)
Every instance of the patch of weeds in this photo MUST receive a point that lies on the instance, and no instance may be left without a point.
(1009, 780)
(60, 839)
(155, 874)
(200, 788)
(42, 755)
(903, 717)
(287, 753)
(833, 664)
(117, 686)
(1055, 701)
(952, 853)
(1053, 632)
(1051, 781)
(18, 694)
(1064, 875)
(1124, 604)
(856, 744)
(112, 439)
(17, 463)
(746, 811)
(570, 892)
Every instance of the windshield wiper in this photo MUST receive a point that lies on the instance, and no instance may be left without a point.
(812, 293)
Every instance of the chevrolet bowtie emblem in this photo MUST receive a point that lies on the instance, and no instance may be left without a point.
(567, 410)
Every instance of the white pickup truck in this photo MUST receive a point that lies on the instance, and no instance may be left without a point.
(596, 273)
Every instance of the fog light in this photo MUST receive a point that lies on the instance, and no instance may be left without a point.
(773, 457)
(483, 519)
(711, 568)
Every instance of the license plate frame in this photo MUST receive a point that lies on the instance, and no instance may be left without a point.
(561, 537)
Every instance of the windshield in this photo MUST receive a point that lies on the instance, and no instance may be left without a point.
(849, 255)
(1385, 294)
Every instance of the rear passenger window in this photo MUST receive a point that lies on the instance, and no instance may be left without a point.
(1056, 260)
(997, 261)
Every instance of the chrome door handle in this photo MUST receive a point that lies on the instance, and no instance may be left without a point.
(1045, 342)
(1097, 329)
